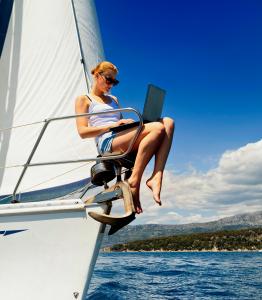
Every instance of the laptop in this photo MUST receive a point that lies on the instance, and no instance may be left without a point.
(153, 107)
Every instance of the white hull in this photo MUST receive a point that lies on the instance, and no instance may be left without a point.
(54, 256)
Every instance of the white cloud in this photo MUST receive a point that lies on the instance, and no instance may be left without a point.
(233, 187)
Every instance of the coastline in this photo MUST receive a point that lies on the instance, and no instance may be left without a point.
(181, 251)
(244, 240)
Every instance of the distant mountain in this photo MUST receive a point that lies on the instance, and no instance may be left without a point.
(142, 232)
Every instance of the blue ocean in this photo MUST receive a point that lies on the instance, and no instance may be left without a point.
(177, 275)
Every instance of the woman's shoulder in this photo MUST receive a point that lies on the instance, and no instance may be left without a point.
(83, 99)
(82, 102)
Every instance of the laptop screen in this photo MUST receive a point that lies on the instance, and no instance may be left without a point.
(153, 103)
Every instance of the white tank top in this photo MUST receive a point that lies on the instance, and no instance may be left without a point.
(103, 119)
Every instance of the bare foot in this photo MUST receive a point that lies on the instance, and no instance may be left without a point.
(135, 194)
(155, 183)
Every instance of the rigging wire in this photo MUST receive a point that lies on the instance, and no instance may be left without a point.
(15, 127)
(12, 166)
(67, 172)
(55, 177)
(9, 196)
(50, 179)
(19, 126)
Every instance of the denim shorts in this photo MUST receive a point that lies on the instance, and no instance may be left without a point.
(104, 142)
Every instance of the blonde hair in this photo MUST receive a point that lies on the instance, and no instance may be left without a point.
(103, 66)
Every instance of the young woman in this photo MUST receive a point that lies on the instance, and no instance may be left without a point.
(154, 140)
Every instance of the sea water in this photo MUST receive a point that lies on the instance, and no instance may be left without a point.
(177, 275)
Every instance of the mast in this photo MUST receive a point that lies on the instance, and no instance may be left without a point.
(82, 60)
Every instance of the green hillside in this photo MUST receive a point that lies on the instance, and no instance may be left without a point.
(132, 233)
(229, 240)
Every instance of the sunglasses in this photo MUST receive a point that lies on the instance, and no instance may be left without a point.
(110, 80)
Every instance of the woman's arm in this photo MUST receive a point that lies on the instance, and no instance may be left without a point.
(85, 131)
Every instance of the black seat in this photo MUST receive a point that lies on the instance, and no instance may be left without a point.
(102, 172)
(106, 170)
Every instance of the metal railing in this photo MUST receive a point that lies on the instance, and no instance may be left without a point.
(48, 121)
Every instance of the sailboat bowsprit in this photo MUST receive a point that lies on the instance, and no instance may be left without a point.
(48, 241)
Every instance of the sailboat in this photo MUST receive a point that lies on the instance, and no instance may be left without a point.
(51, 227)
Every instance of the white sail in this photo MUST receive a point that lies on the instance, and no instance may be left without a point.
(48, 248)
(41, 74)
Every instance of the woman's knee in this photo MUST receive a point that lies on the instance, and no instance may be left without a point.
(158, 128)
(169, 123)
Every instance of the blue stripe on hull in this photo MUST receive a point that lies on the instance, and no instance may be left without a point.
(8, 232)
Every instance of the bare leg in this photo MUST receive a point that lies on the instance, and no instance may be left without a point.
(146, 145)
(155, 181)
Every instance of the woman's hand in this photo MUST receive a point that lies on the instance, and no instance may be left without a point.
(123, 121)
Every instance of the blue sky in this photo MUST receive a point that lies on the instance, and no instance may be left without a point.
(207, 55)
